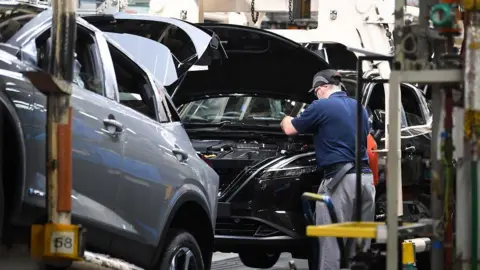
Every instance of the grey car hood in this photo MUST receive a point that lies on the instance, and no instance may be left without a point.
(189, 45)
(159, 61)
(259, 62)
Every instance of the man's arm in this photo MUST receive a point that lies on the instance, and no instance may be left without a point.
(287, 126)
(307, 121)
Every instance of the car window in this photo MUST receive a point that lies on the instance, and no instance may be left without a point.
(167, 104)
(164, 112)
(87, 72)
(250, 109)
(133, 85)
(411, 104)
(376, 103)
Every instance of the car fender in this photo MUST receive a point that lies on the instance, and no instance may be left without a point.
(19, 191)
(184, 194)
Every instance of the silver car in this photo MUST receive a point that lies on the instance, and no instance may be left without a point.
(139, 187)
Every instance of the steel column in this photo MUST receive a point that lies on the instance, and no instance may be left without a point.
(58, 239)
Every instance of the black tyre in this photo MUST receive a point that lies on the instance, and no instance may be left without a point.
(259, 260)
(181, 252)
(55, 266)
(2, 194)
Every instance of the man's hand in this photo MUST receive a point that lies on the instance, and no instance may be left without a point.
(287, 126)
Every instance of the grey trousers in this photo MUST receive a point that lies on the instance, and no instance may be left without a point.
(343, 199)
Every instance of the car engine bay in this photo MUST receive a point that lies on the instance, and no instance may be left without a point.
(252, 150)
(230, 157)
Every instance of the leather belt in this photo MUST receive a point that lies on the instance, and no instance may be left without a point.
(338, 166)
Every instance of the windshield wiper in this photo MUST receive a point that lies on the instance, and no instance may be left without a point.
(202, 124)
(231, 124)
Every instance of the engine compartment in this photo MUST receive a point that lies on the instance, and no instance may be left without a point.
(249, 149)
(231, 158)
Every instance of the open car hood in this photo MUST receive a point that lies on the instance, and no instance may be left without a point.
(259, 63)
(189, 45)
(159, 61)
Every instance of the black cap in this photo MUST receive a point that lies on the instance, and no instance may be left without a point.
(327, 76)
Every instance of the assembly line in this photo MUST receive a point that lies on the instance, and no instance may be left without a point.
(239, 134)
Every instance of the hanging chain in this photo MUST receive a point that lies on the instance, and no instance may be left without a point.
(290, 10)
(254, 14)
(390, 38)
(183, 15)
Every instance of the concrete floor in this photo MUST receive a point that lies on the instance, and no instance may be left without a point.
(236, 264)
(19, 259)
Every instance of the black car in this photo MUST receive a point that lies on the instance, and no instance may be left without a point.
(231, 110)
(232, 115)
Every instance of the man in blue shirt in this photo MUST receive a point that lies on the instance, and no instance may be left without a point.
(332, 120)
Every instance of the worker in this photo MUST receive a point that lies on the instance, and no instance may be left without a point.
(332, 120)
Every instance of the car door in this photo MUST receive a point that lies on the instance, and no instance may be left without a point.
(153, 162)
(97, 138)
(415, 137)
(414, 134)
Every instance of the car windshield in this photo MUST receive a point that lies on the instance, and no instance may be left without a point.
(248, 110)
(245, 109)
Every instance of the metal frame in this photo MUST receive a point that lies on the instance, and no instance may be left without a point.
(394, 154)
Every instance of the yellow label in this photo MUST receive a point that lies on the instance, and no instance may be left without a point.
(471, 4)
(474, 45)
(61, 240)
(408, 253)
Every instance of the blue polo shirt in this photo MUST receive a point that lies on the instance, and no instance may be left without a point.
(333, 123)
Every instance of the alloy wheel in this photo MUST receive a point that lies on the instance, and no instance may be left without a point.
(183, 259)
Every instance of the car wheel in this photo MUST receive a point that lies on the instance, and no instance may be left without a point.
(54, 265)
(64, 266)
(2, 194)
(181, 252)
(259, 260)
(2, 206)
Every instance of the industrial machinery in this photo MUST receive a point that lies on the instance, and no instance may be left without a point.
(455, 122)
(455, 116)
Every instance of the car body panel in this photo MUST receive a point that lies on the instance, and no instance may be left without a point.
(190, 45)
(273, 65)
(159, 62)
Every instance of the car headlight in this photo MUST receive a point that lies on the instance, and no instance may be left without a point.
(287, 172)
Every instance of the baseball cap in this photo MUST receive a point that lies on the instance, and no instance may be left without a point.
(327, 76)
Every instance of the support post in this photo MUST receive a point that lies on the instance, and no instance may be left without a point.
(469, 254)
(201, 12)
(59, 112)
(393, 168)
(394, 156)
(58, 239)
